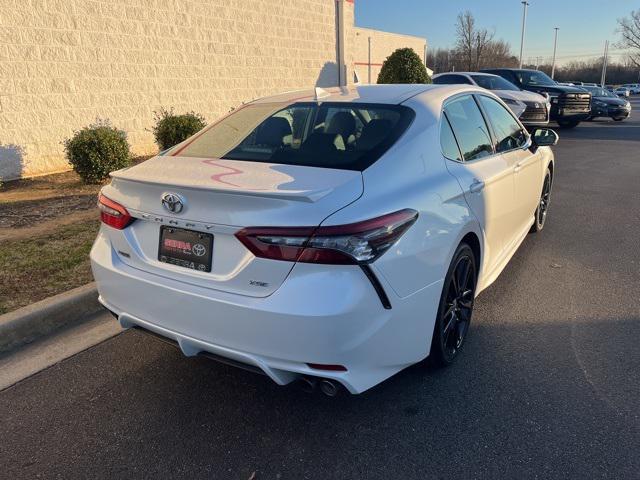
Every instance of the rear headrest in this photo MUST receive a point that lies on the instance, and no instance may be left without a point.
(342, 123)
(321, 142)
(373, 133)
(272, 131)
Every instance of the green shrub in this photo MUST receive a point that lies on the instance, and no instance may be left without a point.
(97, 150)
(171, 129)
(403, 66)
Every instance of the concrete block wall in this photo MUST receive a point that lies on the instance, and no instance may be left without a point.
(383, 44)
(64, 63)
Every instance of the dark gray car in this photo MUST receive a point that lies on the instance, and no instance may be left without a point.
(607, 104)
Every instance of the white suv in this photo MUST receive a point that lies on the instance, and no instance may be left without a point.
(531, 108)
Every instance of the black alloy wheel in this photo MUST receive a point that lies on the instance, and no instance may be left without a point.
(543, 205)
(456, 307)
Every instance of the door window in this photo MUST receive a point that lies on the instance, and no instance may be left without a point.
(469, 128)
(508, 132)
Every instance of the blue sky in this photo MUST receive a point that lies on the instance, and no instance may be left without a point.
(584, 25)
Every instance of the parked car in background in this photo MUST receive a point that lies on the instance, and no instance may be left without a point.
(569, 105)
(634, 88)
(531, 108)
(350, 234)
(607, 104)
(622, 91)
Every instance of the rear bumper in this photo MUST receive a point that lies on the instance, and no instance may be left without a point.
(321, 314)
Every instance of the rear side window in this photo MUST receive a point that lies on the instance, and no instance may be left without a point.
(469, 128)
(451, 80)
(509, 134)
(346, 136)
(448, 141)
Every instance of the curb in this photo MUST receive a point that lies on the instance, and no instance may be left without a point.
(29, 323)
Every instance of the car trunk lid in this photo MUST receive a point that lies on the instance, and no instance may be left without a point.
(220, 197)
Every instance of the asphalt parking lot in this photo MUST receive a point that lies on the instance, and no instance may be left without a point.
(548, 385)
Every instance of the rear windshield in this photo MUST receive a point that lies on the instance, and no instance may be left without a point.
(348, 136)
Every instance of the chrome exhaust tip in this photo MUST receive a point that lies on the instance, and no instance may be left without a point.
(308, 385)
(329, 388)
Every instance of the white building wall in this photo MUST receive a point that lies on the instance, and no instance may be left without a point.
(368, 60)
(64, 63)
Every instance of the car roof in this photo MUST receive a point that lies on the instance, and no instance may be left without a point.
(509, 70)
(484, 74)
(385, 94)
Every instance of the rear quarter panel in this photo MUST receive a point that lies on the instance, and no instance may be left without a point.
(412, 174)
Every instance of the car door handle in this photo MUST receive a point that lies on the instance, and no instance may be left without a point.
(476, 186)
(518, 167)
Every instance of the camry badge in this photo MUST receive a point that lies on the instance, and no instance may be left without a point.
(173, 202)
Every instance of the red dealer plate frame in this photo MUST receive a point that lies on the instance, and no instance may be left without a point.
(185, 248)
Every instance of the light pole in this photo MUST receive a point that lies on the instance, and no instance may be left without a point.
(603, 77)
(555, 45)
(525, 4)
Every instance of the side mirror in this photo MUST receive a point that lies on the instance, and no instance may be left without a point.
(544, 137)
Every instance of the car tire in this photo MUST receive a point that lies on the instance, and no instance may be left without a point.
(540, 215)
(455, 308)
(566, 124)
(618, 119)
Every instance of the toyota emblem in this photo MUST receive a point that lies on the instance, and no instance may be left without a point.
(173, 202)
(199, 250)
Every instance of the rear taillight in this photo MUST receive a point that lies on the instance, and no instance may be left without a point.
(113, 214)
(355, 243)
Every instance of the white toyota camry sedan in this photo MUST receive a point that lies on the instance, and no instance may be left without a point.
(332, 237)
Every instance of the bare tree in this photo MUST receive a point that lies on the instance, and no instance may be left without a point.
(439, 59)
(498, 54)
(465, 32)
(483, 40)
(590, 71)
(471, 42)
(629, 28)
